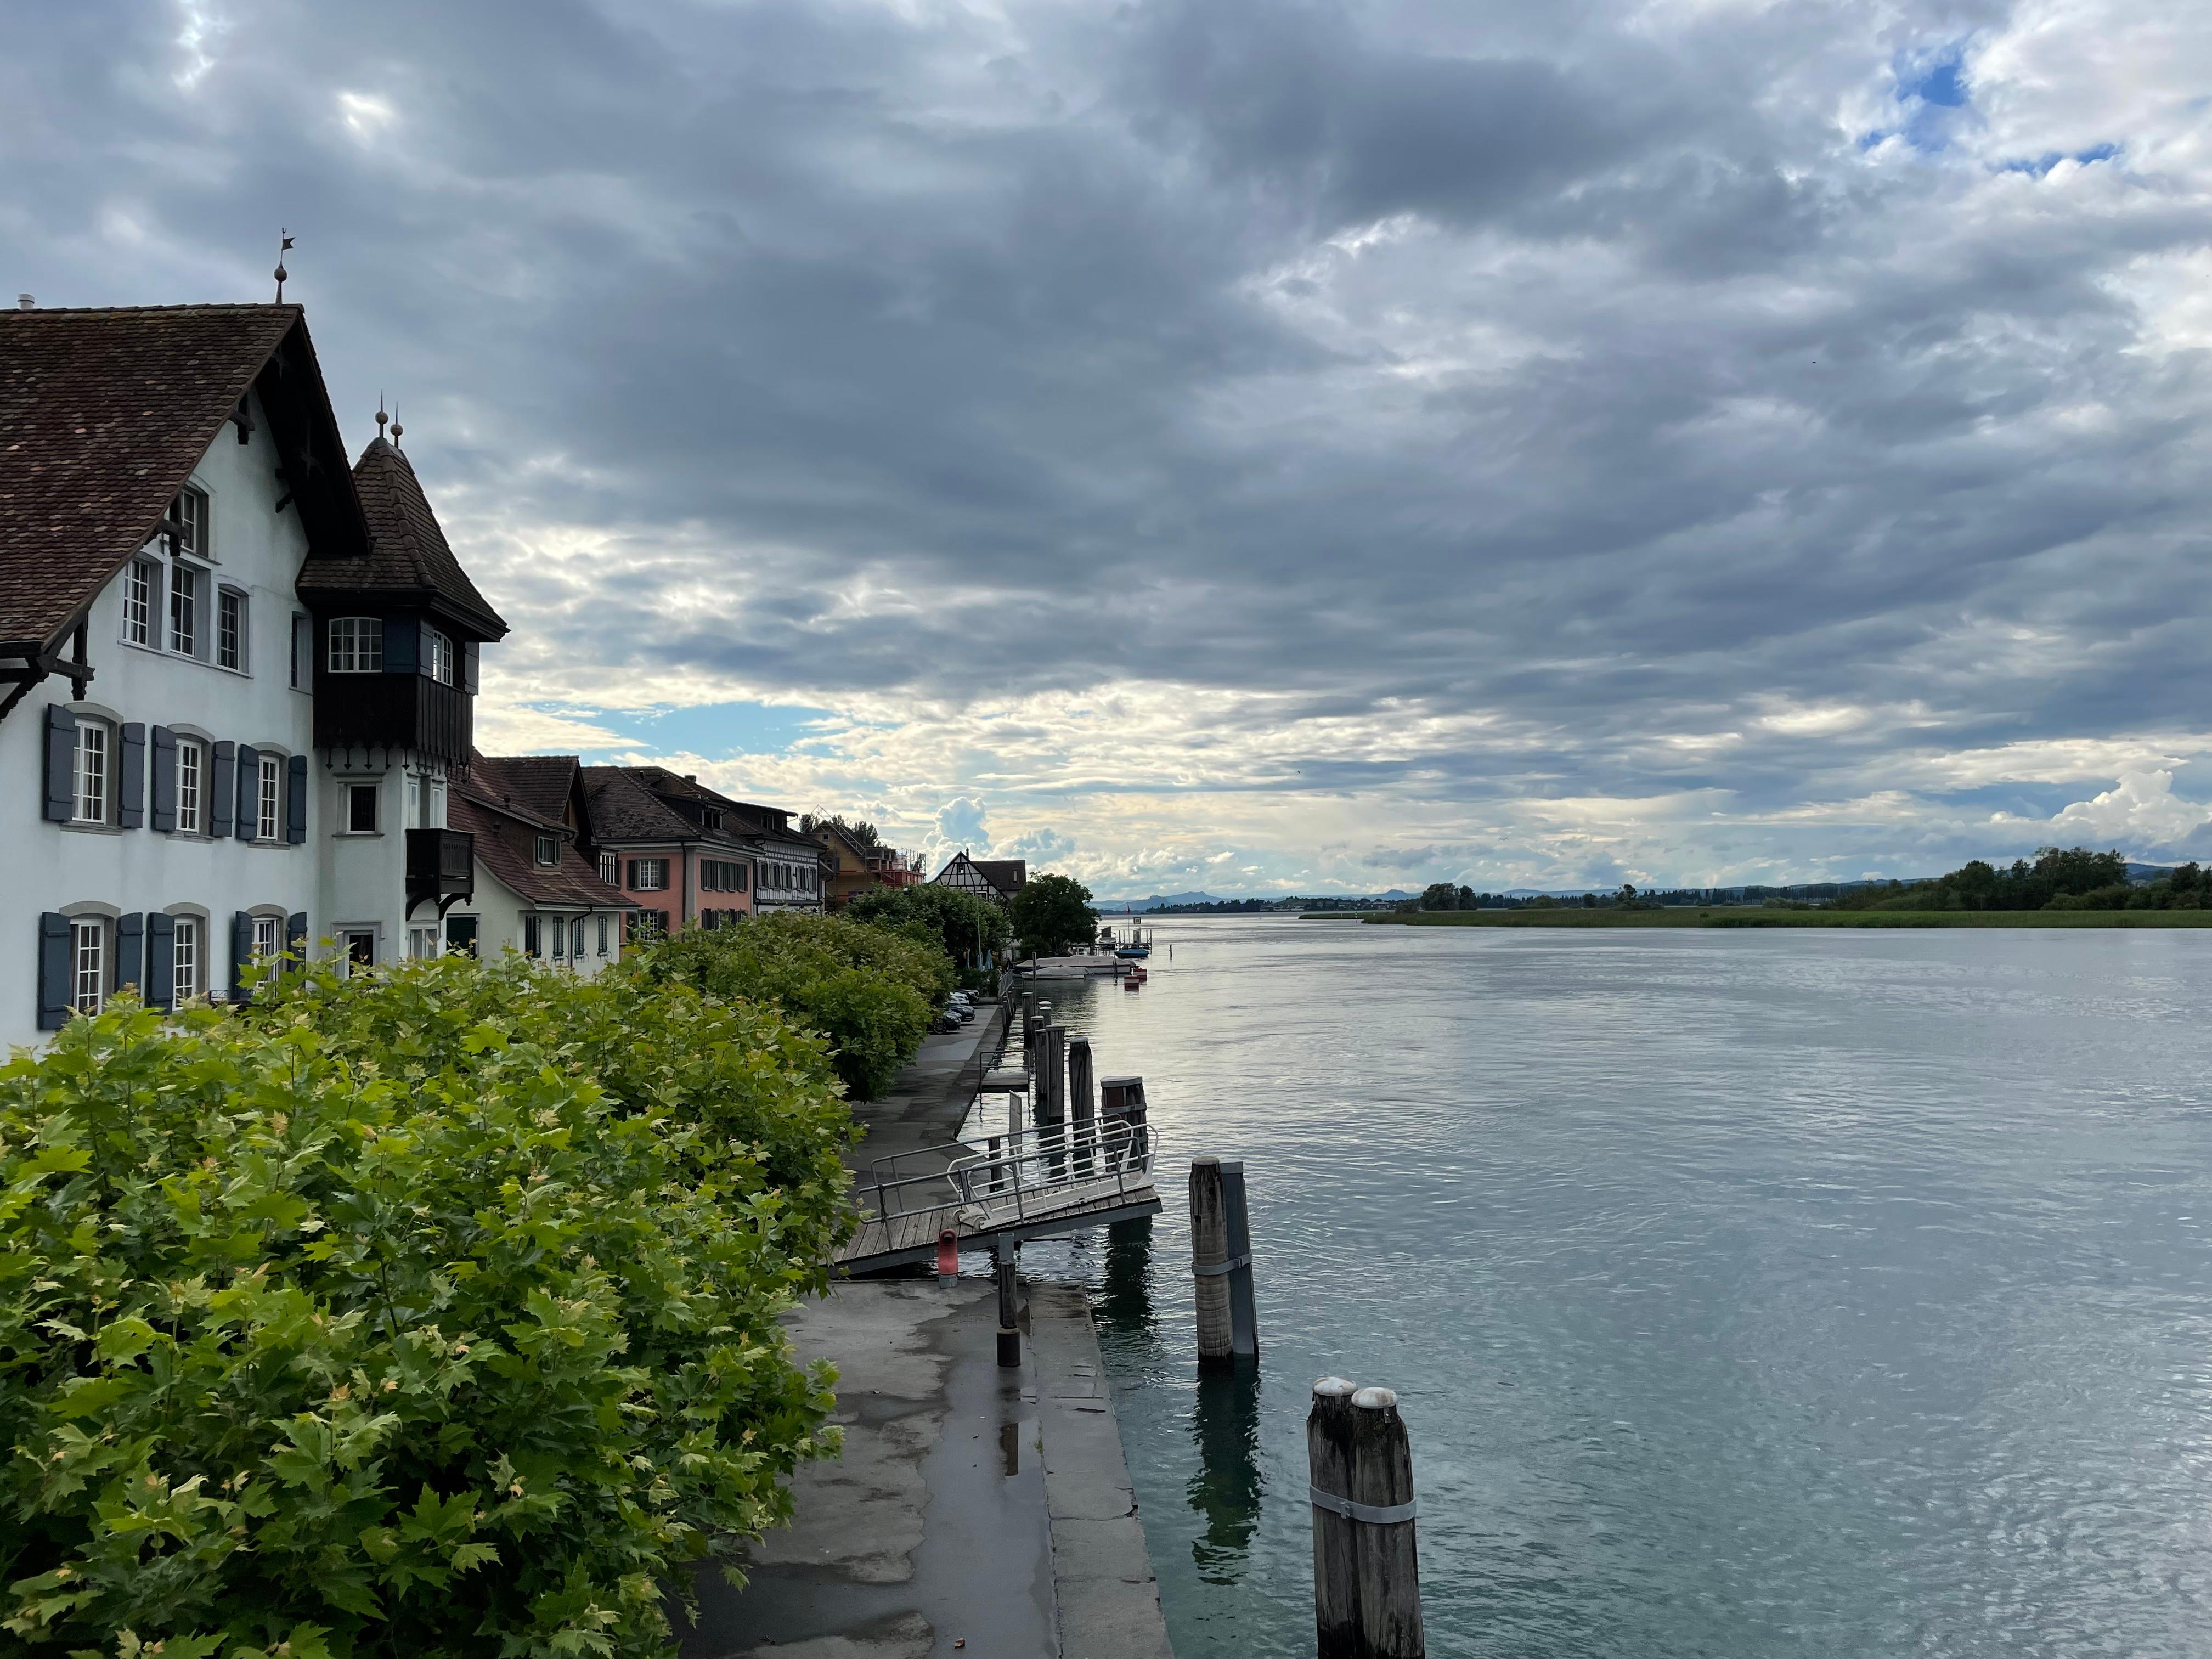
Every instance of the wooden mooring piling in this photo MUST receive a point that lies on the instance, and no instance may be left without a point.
(1359, 1461)
(1221, 1263)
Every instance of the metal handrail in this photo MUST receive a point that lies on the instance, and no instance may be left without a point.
(1063, 1156)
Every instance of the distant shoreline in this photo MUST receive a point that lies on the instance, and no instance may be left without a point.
(1719, 917)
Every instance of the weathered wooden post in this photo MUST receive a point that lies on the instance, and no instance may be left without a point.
(1006, 1254)
(1083, 1107)
(1381, 1494)
(1209, 1262)
(1052, 1075)
(1335, 1545)
(1243, 1312)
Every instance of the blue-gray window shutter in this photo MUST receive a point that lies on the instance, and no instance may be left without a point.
(468, 668)
(403, 645)
(295, 935)
(129, 951)
(242, 953)
(295, 799)
(53, 971)
(132, 813)
(160, 960)
(633, 873)
(249, 792)
(221, 783)
(165, 779)
(61, 767)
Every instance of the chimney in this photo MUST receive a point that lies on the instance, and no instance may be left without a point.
(690, 777)
(27, 303)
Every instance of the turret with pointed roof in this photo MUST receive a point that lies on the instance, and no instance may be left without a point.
(397, 625)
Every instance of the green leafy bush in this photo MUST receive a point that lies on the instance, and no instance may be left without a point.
(430, 1313)
(961, 924)
(871, 991)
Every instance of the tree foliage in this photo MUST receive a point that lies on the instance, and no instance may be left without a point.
(870, 991)
(1052, 914)
(433, 1312)
(2070, 879)
(961, 924)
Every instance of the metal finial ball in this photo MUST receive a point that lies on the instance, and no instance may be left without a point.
(381, 417)
(282, 274)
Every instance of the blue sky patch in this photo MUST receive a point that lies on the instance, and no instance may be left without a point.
(714, 731)
(2043, 164)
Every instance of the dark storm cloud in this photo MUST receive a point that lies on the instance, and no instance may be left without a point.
(1544, 361)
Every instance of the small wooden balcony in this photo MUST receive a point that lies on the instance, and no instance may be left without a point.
(441, 867)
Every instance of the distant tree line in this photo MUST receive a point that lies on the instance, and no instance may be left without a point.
(2070, 879)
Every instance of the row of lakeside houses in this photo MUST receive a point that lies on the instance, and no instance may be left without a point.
(237, 677)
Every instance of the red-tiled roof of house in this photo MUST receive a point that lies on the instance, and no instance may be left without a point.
(408, 555)
(103, 416)
(506, 845)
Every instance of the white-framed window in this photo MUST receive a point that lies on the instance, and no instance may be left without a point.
(269, 821)
(190, 510)
(303, 652)
(611, 869)
(357, 645)
(95, 768)
(268, 938)
(358, 947)
(184, 611)
(88, 964)
(712, 817)
(560, 938)
(361, 808)
(142, 588)
(422, 942)
(192, 770)
(185, 958)
(649, 875)
(603, 936)
(230, 629)
(437, 656)
(549, 850)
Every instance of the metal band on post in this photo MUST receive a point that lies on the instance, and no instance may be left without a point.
(1209, 1269)
(1371, 1515)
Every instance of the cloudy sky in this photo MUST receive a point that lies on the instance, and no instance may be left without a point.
(1251, 445)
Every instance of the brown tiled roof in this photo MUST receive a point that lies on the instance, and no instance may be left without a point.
(624, 809)
(103, 416)
(536, 785)
(767, 820)
(408, 555)
(1007, 875)
(506, 845)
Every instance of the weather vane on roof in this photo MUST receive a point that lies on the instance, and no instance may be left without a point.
(284, 247)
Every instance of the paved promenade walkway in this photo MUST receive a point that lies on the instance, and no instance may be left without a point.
(972, 1505)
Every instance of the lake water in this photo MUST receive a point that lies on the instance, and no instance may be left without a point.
(1748, 1294)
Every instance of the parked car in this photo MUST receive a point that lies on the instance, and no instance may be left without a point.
(960, 1011)
(944, 1023)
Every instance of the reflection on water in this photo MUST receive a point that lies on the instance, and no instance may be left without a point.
(1124, 1299)
(1228, 1486)
(1751, 1296)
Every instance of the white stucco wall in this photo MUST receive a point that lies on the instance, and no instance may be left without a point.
(500, 912)
(364, 876)
(50, 866)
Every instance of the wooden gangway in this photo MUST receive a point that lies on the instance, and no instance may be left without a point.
(1042, 1182)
